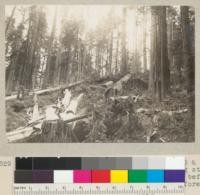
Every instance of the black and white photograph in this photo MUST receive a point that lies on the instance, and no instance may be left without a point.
(99, 73)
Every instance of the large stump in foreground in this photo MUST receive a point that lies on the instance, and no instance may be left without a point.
(56, 131)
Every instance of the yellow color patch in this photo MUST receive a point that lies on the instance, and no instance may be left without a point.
(119, 176)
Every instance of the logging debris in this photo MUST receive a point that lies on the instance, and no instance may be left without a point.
(101, 115)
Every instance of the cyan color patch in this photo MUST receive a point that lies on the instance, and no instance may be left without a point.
(155, 176)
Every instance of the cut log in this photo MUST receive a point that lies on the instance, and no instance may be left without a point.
(116, 87)
(20, 134)
(108, 84)
(78, 118)
(32, 123)
(119, 84)
(134, 97)
(142, 110)
(97, 87)
(40, 92)
(27, 131)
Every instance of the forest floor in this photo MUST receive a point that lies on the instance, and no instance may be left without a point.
(131, 116)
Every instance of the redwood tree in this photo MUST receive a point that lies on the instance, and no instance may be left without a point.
(188, 53)
(159, 71)
(124, 61)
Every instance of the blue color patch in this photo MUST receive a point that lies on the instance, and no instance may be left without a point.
(155, 176)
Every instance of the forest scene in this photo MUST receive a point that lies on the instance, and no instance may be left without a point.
(99, 74)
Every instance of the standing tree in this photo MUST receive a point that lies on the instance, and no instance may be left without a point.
(10, 19)
(14, 40)
(145, 39)
(34, 41)
(124, 68)
(48, 78)
(159, 71)
(188, 53)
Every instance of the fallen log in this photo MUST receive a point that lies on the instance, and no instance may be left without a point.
(116, 87)
(119, 84)
(19, 134)
(48, 90)
(124, 79)
(108, 84)
(134, 97)
(27, 131)
(170, 113)
(78, 118)
(97, 87)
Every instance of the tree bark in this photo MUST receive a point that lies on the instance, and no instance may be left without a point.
(124, 60)
(29, 68)
(47, 78)
(159, 70)
(188, 54)
(145, 41)
(110, 53)
(117, 52)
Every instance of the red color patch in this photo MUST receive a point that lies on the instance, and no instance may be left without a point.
(100, 176)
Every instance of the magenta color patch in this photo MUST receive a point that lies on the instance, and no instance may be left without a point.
(82, 176)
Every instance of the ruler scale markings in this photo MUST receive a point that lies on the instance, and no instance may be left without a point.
(147, 170)
(111, 190)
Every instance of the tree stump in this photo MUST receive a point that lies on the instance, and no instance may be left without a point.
(56, 131)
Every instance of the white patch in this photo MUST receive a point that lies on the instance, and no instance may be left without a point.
(67, 98)
(50, 114)
(36, 114)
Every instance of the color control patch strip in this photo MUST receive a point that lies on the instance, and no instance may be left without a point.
(100, 170)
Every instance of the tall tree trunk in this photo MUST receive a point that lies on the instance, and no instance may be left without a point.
(165, 71)
(188, 54)
(47, 79)
(145, 41)
(97, 65)
(36, 51)
(32, 38)
(10, 19)
(170, 38)
(159, 72)
(8, 25)
(58, 66)
(117, 52)
(136, 65)
(110, 53)
(10, 76)
(124, 68)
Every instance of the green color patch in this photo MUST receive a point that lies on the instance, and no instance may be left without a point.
(137, 176)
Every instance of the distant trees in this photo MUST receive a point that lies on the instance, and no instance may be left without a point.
(24, 51)
(38, 57)
(14, 45)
